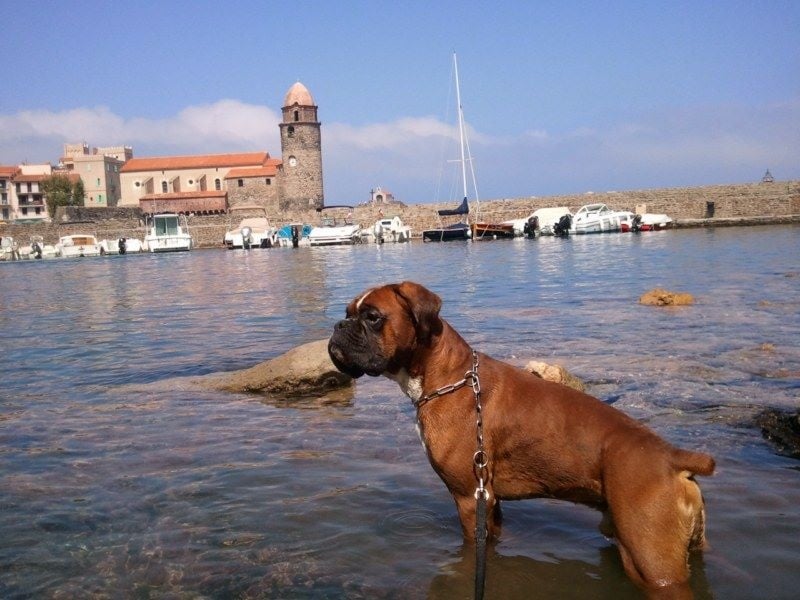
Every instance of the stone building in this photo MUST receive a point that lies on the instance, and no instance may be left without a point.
(207, 184)
(99, 170)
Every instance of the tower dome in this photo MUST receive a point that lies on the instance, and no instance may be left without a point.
(298, 94)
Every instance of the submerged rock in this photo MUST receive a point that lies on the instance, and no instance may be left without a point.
(555, 373)
(662, 297)
(302, 371)
(782, 428)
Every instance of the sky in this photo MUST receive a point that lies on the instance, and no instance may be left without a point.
(558, 97)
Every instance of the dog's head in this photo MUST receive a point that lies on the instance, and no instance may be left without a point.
(383, 328)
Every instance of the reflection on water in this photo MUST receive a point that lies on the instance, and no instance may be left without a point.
(117, 481)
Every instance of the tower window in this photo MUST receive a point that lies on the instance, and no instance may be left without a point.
(296, 116)
(290, 131)
(163, 187)
(217, 185)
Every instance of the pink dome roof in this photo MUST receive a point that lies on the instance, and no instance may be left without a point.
(298, 94)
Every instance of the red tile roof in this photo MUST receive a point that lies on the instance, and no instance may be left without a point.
(7, 171)
(204, 161)
(265, 171)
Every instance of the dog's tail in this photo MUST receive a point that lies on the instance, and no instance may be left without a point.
(696, 463)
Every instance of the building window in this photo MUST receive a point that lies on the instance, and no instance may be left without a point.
(296, 116)
(240, 182)
(100, 198)
(98, 182)
(290, 131)
(217, 184)
(38, 210)
(191, 182)
(268, 181)
(163, 187)
(137, 183)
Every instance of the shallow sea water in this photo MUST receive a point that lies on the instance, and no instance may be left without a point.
(118, 481)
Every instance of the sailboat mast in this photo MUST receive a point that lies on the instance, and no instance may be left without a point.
(460, 127)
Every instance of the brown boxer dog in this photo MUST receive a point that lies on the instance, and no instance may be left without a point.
(543, 440)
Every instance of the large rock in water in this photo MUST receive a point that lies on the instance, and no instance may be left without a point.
(662, 297)
(303, 371)
(782, 428)
(555, 373)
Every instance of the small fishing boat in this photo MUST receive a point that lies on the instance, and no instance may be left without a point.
(78, 245)
(391, 230)
(492, 231)
(251, 232)
(167, 232)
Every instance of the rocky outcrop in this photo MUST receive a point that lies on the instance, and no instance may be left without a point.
(782, 428)
(661, 297)
(555, 373)
(303, 371)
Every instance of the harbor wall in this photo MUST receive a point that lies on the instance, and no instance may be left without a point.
(776, 202)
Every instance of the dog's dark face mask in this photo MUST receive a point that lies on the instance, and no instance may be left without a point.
(384, 326)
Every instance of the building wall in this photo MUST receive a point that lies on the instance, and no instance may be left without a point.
(255, 190)
(101, 178)
(136, 184)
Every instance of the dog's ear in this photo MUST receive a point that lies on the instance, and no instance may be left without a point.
(424, 307)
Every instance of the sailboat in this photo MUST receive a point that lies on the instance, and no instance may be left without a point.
(460, 230)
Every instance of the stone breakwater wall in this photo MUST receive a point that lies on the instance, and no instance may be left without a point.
(741, 204)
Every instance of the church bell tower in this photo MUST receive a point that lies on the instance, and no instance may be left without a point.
(301, 152)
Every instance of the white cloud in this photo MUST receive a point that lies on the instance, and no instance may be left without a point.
(676, 147)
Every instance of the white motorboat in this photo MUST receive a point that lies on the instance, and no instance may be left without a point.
(542, 220)
(78, 245)
(645, 222)
(9, 249)
(167, 232)
(252, 231)
(391, 230)
(597, 218)
(294, 235)
(38, 249)
(335, 230)
(123, 245)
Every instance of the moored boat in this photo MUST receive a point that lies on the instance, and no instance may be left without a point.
(168, 232)
(252, 231)
(391, 230)
(540, 222)
(334, 229)
(294, 235)
(645, 222)
(78, 245)
(596, 218)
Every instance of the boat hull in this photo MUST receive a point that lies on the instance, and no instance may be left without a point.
(447, 234)
(492, 231)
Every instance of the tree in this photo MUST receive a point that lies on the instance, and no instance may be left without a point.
(78, 193)
(57, 191)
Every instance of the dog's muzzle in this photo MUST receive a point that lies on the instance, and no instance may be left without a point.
(354, 350)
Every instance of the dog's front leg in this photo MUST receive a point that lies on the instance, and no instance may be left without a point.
(467, 513)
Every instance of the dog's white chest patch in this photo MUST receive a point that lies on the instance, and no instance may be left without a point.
(411, 386)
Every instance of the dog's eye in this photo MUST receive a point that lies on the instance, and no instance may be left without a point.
(374, 319)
